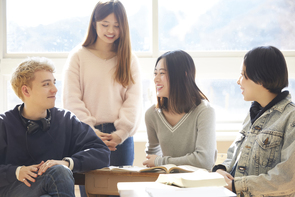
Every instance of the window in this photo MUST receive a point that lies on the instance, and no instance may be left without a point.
(218, 25)
(60, 25)
(217, 33)
(226, 25)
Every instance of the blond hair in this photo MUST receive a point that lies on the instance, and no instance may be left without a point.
(24, 73)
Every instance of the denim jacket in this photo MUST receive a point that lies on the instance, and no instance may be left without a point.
(266, 153)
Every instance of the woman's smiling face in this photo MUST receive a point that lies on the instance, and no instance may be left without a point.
(161, 79)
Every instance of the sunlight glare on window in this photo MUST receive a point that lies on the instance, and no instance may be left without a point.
(59, 26)
(226, 25)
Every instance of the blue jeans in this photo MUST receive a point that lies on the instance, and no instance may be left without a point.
(56, 181)
(123, 156)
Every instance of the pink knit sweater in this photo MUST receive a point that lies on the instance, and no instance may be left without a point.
(90, 92)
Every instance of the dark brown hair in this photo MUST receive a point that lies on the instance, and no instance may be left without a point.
(266, 65)
(122, 44)
(184, 93)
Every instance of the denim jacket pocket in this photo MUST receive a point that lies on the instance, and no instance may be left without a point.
(266, 148)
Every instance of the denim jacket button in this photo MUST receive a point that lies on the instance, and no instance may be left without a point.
(242, 168)
(257, 128)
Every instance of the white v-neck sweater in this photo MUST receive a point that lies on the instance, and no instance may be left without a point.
(92, 94)
(192, 141)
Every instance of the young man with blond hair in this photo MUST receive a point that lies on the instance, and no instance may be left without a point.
(40, 145)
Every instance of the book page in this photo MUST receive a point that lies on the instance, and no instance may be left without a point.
(171, 168)
(159, 169)
(123, 168)
(196, 179)
(184, 168)
(190, 192)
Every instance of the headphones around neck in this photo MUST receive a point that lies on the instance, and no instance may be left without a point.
(33, 126)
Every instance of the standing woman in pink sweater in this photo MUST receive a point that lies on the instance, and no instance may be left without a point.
(102, 83)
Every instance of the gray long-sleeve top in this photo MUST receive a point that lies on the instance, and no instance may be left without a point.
(192, 141)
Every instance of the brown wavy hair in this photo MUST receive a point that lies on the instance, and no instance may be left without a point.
(184, 93)
(122, 45)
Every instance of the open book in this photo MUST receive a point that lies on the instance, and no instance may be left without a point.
(171, 168)
(200, 178)
(168, 168)
(122, 168)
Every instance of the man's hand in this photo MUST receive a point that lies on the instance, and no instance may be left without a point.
(29, 173)
(150, 162)
(227, 177)
(50, 163)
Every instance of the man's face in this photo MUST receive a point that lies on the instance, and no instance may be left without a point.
(42, 92)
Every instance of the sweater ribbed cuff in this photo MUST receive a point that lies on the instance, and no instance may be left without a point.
(17, 171)
(122, 134)
(158, 161)
(71, 162)
(240, 185)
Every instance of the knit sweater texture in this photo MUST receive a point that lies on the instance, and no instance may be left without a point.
(93, 95)
(192, 141)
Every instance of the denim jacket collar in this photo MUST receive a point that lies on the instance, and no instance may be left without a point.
(281, 105)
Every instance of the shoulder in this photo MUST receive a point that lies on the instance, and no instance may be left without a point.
(203, 110)
(288, 113)
(204, 106)
(77, 52)
(133, 57)
(135, 69)
(152, 116)
(10, 116)
(78, 49)
(134, 62)
(289, 103)
(62, 114)
(151, 112)
(286, 106)
(76, 57)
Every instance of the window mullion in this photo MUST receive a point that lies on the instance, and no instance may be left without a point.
(3, 29)
(155, 31)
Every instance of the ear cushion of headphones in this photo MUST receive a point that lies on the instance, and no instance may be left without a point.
(32, 127)
(45, 124)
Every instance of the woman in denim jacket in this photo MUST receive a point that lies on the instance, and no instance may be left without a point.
(261, 160)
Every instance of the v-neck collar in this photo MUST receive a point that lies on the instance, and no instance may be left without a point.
(168, 125)
(102, 59)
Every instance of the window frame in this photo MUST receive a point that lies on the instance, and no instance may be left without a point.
(230, 60)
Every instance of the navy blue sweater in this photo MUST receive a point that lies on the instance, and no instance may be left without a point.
(67, 137)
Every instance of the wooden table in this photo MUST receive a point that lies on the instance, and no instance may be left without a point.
(105, 182)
